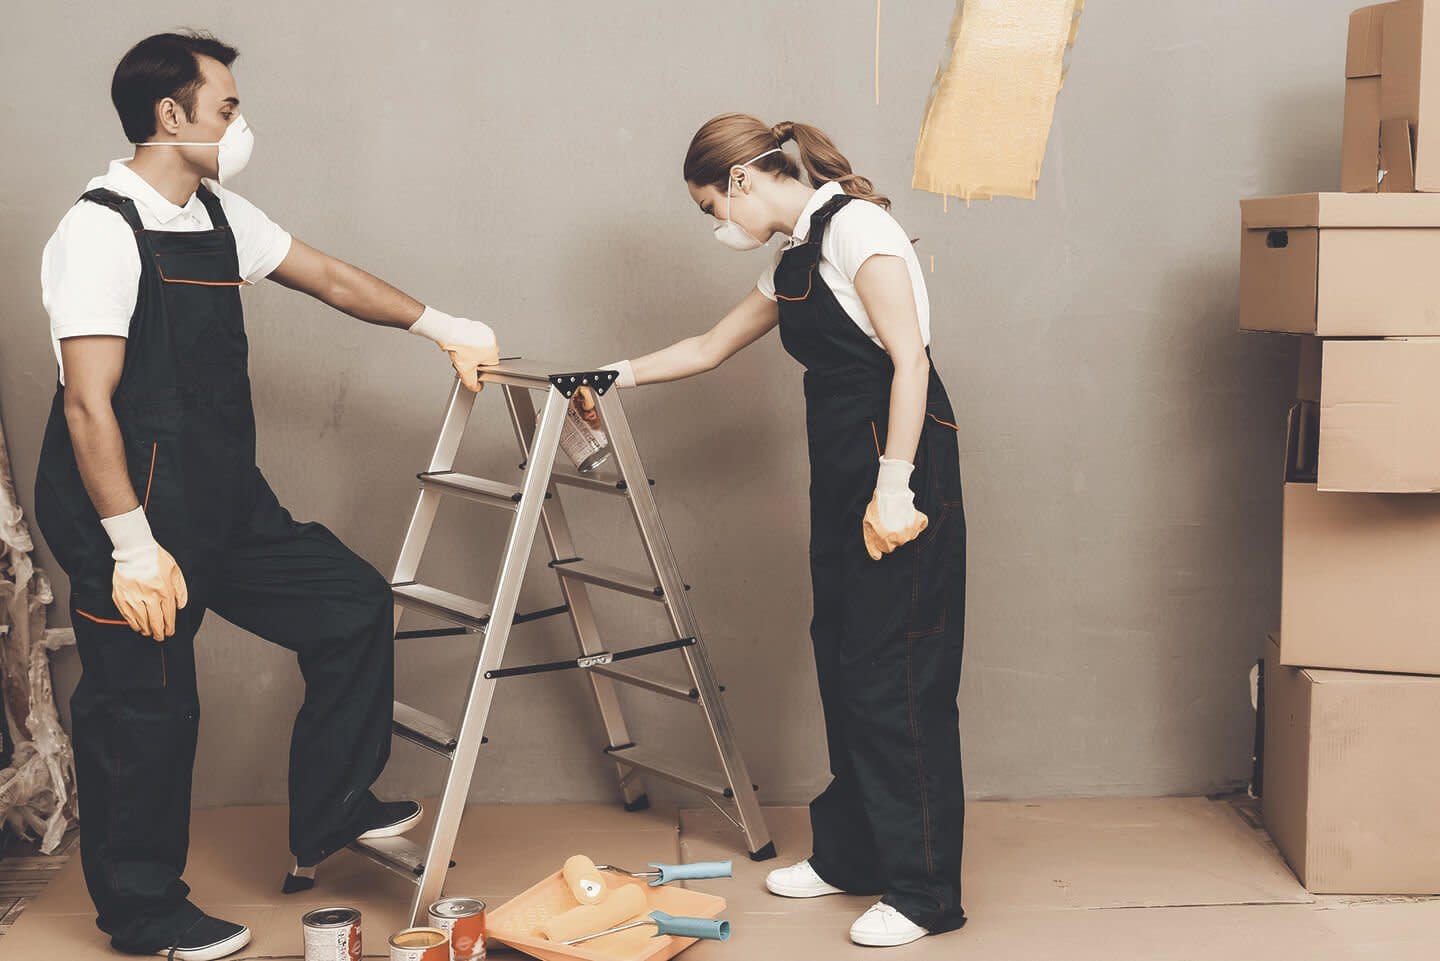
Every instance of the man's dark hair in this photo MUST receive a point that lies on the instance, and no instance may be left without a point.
(161, 66)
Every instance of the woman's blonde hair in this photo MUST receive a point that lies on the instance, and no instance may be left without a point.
(733, 138)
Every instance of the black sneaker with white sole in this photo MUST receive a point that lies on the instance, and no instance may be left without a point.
(389, 819)
(393, 818)
(206, 940)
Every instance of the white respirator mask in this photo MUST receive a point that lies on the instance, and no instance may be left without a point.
(730, 233)
(232, 149)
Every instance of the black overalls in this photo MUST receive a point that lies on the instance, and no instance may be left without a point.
(183, 405)
(887, 634)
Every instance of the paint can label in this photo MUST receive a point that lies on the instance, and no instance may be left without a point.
(464, 919)
(332, 934)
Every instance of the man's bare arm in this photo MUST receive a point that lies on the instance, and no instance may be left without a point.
(92, 371)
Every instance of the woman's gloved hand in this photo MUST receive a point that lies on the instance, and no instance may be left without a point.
(147, 586)
(891, 520)
(470, 343)
(584, 399)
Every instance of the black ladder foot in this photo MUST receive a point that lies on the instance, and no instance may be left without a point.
(641, 803)
(764, 854)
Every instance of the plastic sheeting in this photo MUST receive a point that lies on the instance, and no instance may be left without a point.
(993, 101)
(37, 791)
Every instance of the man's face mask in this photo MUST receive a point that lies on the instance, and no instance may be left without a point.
(233, 148)
(730, 233)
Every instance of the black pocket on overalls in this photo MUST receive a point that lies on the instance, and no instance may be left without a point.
(939, 550)
(152, 450)
(114, 657)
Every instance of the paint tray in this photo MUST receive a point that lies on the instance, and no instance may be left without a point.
(517, 922)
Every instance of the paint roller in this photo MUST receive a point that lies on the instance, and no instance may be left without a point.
(584, 880)
(708, 929)
(623, 903)
(665, 873)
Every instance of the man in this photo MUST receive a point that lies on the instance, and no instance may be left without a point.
(150, 498)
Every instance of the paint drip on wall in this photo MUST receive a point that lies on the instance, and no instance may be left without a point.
(993, 101)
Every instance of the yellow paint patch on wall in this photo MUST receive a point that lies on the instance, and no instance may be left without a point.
(993, 102)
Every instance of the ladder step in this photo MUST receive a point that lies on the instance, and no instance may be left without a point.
(424, 729)
(443, 604)
(688, 694)
(472, 488)
(681, 772)
(597, 484)
(397, 854)
(615, 578)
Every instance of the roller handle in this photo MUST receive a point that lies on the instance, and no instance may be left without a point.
(708, 929)
(690, 872)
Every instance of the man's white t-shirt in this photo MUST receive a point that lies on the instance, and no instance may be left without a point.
(90, 270)
(859, 231)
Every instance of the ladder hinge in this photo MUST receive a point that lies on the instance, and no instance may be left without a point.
(597, 380)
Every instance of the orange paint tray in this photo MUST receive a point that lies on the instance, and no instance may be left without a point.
(517, 922)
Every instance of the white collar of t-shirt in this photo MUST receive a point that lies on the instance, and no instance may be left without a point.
(802, 226)
(121, 179)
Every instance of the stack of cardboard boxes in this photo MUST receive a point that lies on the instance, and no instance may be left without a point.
(1351, 788)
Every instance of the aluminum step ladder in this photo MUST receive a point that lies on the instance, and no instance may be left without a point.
(537, 503)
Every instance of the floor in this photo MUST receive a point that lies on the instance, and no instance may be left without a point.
(1148, 879)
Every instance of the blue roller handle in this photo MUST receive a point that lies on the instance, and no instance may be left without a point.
(709, 929)
(690, 872)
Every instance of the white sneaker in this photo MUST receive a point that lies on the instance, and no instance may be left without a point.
(799, 881)
(884, 927)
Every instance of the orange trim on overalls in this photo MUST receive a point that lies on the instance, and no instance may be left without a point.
(876, 434)
(939, 421)
(199, 283)
(99, 620)
(154, 449)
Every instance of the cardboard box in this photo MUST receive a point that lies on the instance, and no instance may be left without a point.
(1360, 142)
(1380, 416)
(1360, 138)
(1352, 783)
(1341, 265)
(1397, 157)
(1307, 383)
(1359, 579)
(1362, 55)
(1410, 78)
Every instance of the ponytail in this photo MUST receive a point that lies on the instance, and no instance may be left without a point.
(824, 162)
(734, 138)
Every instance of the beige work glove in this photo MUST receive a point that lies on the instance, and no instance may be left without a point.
(471, 344)
(147, 586)
(891, 520)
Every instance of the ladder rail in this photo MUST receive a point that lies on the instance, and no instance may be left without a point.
(518, 547)
(582, 615)
(677, 603)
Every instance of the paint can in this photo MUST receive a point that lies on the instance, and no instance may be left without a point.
(420, 944)
(464, 919)
(332, 934)
(587, 447)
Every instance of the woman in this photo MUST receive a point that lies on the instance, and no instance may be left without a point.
(887, 529)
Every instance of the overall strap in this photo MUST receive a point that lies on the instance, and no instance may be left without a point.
(212, 204)
(820, 219)
(123, 206)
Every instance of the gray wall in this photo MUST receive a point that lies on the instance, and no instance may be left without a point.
(519, 163)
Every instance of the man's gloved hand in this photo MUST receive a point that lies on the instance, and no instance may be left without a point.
(891, 520)
(147, 586)
(470, 343)
(584, 399)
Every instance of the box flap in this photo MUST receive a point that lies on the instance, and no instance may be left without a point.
(1362, 57)
(1341, 210)
(1397, 157)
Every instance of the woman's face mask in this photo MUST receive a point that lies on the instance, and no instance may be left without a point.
(730, 233)
(233, 148)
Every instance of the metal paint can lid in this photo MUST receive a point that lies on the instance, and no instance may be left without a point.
(331, 917)
(457, 908)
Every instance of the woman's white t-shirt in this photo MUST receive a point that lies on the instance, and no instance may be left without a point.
(859, 231)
